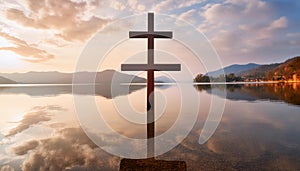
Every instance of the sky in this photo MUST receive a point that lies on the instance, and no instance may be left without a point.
(50, 35)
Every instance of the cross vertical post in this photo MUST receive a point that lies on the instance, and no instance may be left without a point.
(150, 67)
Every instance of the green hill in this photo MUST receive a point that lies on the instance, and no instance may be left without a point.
(258, 72)
(286, 70)
(235, 69)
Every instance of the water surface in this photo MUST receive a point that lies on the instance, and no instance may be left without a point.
(258, 131)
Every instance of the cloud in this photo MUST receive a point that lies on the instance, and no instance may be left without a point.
(69, 149)
(20, 17)
(132, 3)
(232, 13)
(30, 52)
(136, 7)
(189, 3)
(297, 34)
(164, 5)
(188, 16)
(141, 7)
(7, 168)
(279, 23)
(34, 116)
(70, 20)
(264, 32)
(24, 148)
(168, 5)
(28, 120)
(48, 108)
(246, 30)
(117, 5)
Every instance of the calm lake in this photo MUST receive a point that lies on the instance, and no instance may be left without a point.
(259, 130)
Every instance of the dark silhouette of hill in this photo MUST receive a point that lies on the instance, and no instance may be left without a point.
(258, 72)
(164, 79)
(55, 77)
(235, 69)
(4, 80)
(108, 83)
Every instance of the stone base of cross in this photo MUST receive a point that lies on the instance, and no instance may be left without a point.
(150, 67)
(148, 164)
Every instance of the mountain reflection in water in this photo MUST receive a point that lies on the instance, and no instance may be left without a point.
(286, 92)
(104, 90)
(259, 129)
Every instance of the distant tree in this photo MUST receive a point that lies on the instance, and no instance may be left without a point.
(201, 78)
(221, 78)
(230, 77)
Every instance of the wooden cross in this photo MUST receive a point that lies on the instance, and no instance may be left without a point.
(150, 67)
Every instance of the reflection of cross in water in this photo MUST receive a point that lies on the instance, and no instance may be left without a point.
(150, 67)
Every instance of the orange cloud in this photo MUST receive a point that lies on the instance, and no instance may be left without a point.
(30, 52)
(24, 148)
(69, 149)
(70, 20)
(37, 115)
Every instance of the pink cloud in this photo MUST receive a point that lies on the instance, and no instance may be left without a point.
(68, 19)
(30, 52)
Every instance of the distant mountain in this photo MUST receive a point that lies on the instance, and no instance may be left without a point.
(258, 72)
(279, 71)
(286, 71)
(106, 76)
(4, 80)
(236, 68)
(164, 79)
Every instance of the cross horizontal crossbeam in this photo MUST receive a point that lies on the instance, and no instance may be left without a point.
(144, 34)
(146, 67)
